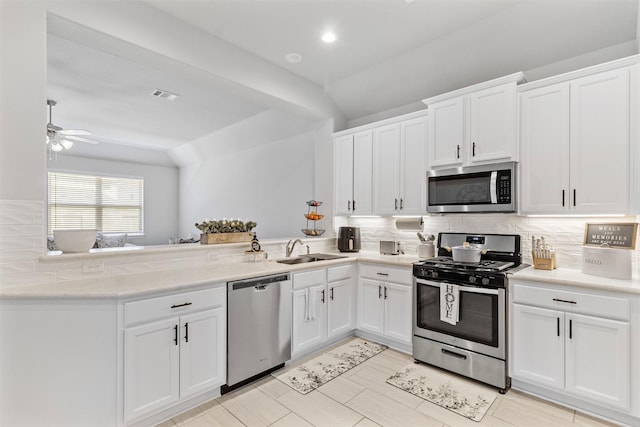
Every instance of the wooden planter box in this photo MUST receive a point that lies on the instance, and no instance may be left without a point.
(215, 238)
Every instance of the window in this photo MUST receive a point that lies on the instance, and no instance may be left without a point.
(108, 204)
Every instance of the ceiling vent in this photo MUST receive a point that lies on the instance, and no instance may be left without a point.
(165, 94)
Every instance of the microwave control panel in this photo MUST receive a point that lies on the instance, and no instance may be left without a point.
(504, 186)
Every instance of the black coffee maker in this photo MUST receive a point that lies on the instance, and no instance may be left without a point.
(349, 239)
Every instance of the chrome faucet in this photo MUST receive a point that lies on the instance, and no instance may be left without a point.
(290, 246)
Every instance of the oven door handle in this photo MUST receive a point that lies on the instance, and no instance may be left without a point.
(462, 288)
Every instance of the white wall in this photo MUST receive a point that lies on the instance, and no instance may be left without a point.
(160, 191)
(261, 169)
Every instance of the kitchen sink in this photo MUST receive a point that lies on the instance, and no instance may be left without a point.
(309, 258)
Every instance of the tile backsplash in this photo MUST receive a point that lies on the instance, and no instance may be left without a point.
(23, 261)
(564, 233)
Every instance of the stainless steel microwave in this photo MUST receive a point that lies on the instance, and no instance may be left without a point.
(484, 188)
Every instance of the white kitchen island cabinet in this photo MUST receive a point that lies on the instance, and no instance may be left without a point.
(385, 304)
(171, 359)
(573, 346)
(574, 140)
(323, 307)
(474, 125)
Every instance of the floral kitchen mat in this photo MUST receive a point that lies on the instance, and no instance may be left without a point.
(312, 374)
(460, 396)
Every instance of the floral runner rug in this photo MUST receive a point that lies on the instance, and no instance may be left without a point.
(312, 374)
(455, 394)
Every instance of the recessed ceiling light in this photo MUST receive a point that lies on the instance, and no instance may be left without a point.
(293, 58)
(328, 37)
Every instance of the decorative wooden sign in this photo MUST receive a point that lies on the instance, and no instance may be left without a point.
(616, 235)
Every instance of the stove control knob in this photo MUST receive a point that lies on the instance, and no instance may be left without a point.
(472, 279)
(434, 274)
(485, 280)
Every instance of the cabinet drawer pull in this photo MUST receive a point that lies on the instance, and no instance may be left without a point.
(401, 203)
(181, 305)
(473, 149)
(379, 291)
(175, 334)
(570, 329)
(456, 355)
(458, 151)
(322, 298)
(331, 294)
(574, 197)
(385, 292)
(382, 274)
(348, 205)
(558, 326)
(186, 332)
(562, 198)
(396, 204)
(353, 203)
(565, 301)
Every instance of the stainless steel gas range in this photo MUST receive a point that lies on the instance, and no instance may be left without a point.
(460, 309)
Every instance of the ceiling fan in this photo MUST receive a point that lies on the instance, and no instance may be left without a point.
(60, 139)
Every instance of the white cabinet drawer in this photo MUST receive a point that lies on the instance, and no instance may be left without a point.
(172, 305)
(574, 302)
(387, 274)
(309, 278)
(340, 273)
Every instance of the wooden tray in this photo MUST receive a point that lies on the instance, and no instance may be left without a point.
(216, 238)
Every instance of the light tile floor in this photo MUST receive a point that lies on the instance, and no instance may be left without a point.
(361, 397)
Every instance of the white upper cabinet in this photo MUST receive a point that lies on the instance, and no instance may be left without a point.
(574, 139)
(381, 169)
(399, 167)
(353, 173)
(474, 125)
(599, 143)
(343, 161)
(446, 133)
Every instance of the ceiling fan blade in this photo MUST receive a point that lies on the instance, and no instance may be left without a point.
(79, 139)
(74, 132)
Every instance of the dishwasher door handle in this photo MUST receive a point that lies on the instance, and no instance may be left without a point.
(261, 288)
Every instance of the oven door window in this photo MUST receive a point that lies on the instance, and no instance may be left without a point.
(478, 315)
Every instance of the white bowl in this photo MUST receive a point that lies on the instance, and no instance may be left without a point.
(74, 240)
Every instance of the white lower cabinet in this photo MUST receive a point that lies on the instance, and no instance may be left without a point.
(385, 302)
(174, 358)
(575, 343)
(324, 306)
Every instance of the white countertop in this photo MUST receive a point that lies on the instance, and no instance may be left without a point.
(133, 285)
(568, 277)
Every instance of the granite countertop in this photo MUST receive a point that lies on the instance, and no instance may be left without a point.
(144, 284)
(568, 277)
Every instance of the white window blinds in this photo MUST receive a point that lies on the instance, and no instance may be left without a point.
(108, 204)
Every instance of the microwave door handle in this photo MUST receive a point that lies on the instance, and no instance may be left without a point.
(494, 187)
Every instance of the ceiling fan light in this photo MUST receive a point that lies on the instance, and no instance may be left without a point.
(66, 144)
(56, 147)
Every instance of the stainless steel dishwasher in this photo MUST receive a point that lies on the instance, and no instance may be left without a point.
(259, 314)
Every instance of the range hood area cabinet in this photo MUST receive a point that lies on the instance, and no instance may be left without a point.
(353, 173)
(575, 144)
(399, 168)
(474, 125)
